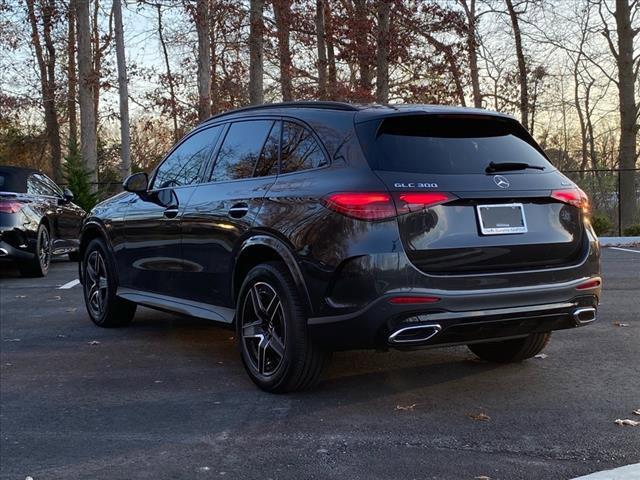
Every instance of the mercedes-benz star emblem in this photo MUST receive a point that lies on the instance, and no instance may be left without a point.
(501, 181)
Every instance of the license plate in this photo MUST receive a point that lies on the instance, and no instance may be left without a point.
(506, 218)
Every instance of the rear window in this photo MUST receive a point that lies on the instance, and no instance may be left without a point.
(439, 144)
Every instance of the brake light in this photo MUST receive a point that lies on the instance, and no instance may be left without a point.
(573, 196)
(380, 205)
(414, 300)
(593, 283)
(362, 205)
(10, 206)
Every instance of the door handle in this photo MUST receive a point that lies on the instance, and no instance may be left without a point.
(171, 212)
(239, 210)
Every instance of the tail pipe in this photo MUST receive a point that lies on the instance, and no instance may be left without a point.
(3, 252)
(584, 315)
(415, 334)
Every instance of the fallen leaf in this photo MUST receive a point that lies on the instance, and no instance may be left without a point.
(541, 355)
(636, 412)
(482, 477)
(406, 407)
(626, 421)
(94, 342)
(71, 310)
(620, 324)
(57, 297)
(61, 336)
(28, 478)
(481, 416)
(21, 296)
(12, 340)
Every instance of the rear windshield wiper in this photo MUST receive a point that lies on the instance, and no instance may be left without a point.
(506, 166)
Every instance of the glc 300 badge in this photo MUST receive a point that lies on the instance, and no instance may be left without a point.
(501, 181)
(415, 185)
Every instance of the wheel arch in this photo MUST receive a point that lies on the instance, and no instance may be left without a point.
(264, 248)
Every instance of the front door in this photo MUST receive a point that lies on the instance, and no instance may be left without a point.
(152, 250)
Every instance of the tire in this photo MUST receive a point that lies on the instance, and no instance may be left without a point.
(100, 285)
(271, 325)
(39, 265)
(508, 351)
(74, 256)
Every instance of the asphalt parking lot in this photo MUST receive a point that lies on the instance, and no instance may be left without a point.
(168, 398)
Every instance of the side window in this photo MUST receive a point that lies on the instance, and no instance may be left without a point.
(268, 161)
(182, 166)
(36, 186)
(51, 185)
(240, 150)
(300, 150)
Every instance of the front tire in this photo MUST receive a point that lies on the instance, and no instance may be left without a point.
(100, 286)
(271, 323)
(39, 265)
(508, 351)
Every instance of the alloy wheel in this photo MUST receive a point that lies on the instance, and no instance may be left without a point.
(96, 284)
(263, 328)
(44, 254)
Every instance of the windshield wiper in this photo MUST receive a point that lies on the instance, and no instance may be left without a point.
(506, 166)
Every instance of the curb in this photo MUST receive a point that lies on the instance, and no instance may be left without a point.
(619, 241)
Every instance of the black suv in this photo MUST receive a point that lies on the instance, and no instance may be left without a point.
(317, 226)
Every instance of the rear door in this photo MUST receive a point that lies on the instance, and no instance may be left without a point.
(222, 210)
(475, 194)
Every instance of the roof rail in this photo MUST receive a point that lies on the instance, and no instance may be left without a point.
(328, 105)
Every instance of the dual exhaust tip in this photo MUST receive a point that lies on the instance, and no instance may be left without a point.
(3, 252)
(419, 334)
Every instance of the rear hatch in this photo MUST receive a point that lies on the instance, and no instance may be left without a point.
(475, 194)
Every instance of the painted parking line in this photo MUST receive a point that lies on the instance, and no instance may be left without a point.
(624, 249)
(69, 285)
(630, 472)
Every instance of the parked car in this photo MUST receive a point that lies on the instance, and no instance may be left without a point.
(320, 226)
(38, 219)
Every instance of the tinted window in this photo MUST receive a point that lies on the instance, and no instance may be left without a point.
(240, 150)
(300, 150)
(183, 164)
(268, 162)
(37, 186)
(50, 184)
(438, 145)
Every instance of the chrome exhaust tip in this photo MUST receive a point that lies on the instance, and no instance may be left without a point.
(584, 315)
(414, 334)
(3, 252)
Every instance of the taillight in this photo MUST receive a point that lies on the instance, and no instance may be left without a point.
(380, 205)
(572, 196)
(362, 205)
(413, 300)
(593, 283)
(10, 206)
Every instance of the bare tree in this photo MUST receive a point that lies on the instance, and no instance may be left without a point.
(322, 50)
(123, 91)
(522, 66)
(382, 51)
(86, 84)
(46, 59)
(361, 33)
(204, 59)
(282, 14)
(331, 55)
(256, 52)
(469, 7)
(172, 89)
(72, 78)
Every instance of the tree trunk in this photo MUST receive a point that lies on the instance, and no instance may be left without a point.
(627, 153)
(72, 80)
(361, 34)
(125, 139)
(172, 90)
(86, 83)
(282, 13)
(322, 50)
(204, 60)
(256, 66)
(331, 55)
(522, 66)
(47, 66)
(382, 52)
(469, 7)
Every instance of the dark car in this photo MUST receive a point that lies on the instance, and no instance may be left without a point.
(37, 220)
(313, 227)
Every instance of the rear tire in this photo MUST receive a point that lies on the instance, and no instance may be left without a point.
(100, 285)
(271, 324)
(508, 351)
(38, 266)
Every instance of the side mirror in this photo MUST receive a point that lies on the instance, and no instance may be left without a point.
(67, 195)
(136, 183)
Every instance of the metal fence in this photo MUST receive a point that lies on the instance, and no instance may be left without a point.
(601, 185)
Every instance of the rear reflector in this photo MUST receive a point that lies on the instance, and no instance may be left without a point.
(593, 283)
(10, 206)
(412, 300)
(573, 196)
(380, 205)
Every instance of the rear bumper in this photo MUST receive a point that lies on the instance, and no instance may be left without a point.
(10, 253)
(460, 317)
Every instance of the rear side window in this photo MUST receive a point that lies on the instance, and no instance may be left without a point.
(446, 145)
(300, 150)
(240, 150)
(182, 166)
(37, 186)
(268, 162)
